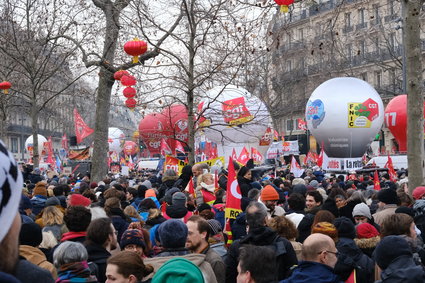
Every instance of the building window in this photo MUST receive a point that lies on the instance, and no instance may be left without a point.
(375, 8)
(301, 34)
(288, 65)
(361, 16)
(391, 7)
(14, 145)
(378, 79)
(363, 76)
(349, 51)
(347, 19)
(289, 125)
(362, 47)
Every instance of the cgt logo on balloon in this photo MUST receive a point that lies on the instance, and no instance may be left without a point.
(361, 115)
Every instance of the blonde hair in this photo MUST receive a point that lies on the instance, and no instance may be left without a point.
(52, 216)
(132, 212)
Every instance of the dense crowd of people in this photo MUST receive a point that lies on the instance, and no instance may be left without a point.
(149, 228)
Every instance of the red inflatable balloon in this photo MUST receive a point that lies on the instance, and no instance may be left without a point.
(151, 131)
(396, 119)
(175, 117)
(130, 148)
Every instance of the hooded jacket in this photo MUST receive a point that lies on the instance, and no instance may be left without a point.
(403, 270)
(244, 185)
(309, 271)
(367, 245)
(197, 259)
(177, 212)
(37, 257)
(262, 236)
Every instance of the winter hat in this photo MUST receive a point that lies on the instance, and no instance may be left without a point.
(30, 235)
(77, 199)
(147, 184)
(256, 185)
(25, 203)
(168, 195)
(269, 193)
(300, 189)
(314, 184)
(132, 236)
(388, 196)
(178, 270)
(179, 199)
(150, 193)
(10, 190)
(345, 227)
(325, 228)
(362, 209)
(366, 231)
(406, 210)
(40, 189)
(390, 248)
(52, 201)
(93, 185)
(418, 192)
(172, 234)
(203, 206)
(215, 226)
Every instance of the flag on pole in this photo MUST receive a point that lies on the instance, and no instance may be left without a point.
(216, 187)
(49, 147)
(81, 129)
(234, 157)
(256, 155)
(165, 148)
(244, 156)
(233, 196)
(322, 160)
(190, 188)
(58, 164)
(391, 171)
(302, 125)
(65, 142)
(179, 147)
(376, 183)
(296, 168)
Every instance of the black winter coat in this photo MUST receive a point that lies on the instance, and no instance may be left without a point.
(244, 185)
(403, 270)
(99, 255)
(263, 236)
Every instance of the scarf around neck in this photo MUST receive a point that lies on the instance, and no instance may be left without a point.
(75, 272)
(209, 188)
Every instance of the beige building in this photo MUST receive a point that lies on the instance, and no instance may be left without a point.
(333, 38)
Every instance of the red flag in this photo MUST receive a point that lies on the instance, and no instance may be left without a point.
(391, 171)
(256, 155)
(234, 157)
(216, 180)
(244, 156)
(208, 150)
(65, 142)
(190, 187)
(308, 158)
(376, 183)
(233, 196)
(49, 147)
(267, 137)
(179, 147)
(165, 148)
(320, 158)
(81, 129)
(352, 277)
(296, 168)
(302, 125)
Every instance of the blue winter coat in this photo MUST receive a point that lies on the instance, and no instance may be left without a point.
(38, 203)
(308, 272)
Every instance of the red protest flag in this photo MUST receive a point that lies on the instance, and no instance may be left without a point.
(81, 129)
(244, 156)
(165, 148)
(391, 171)
(179, 147)
(49, 147)
(233, 196)
(256, 155)
(376, 183)
(65, 142)
(302, 125)
(234, 157)
(190, 188)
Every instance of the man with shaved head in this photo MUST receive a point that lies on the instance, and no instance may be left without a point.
(319, 258)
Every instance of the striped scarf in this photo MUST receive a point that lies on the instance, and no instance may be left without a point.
(75, 272)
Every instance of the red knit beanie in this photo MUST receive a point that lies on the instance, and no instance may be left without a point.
(77, 199)
(366, 231)
(418, 192)
(269, 193)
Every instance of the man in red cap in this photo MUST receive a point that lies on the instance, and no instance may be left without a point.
(269, 197)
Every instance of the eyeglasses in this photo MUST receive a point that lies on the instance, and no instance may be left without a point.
(331, 252)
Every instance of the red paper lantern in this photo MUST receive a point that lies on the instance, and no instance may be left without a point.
(284, 5)
(118, 74)
(5, 86)
(128, 80)
(129, 92)
(135, 48)
(131, 103)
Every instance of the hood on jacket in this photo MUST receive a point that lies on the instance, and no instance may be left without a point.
(261, 236)
(32, 254)
(169, 179)
(308, 271)
(175, 211)
(403, 270)
(367, 243)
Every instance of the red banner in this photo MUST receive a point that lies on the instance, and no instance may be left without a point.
(391, 171)
(179, 147)
(376, 183)
(234, 157)
(266, 139)
(233, 196)
(235, 111)
(165, 148)
(244, 156)
(81, 129)
(256, 155)
(65, 142)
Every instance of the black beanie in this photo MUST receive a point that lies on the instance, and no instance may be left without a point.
(345, 227)
(390, 248)
(30, 235)
(388, 196)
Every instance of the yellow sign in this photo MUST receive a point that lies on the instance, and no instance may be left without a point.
(219, 161)
(358, 116)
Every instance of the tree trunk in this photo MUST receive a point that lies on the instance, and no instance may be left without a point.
(415, 127)
(34, 127)
(191, 83)
(106, 81)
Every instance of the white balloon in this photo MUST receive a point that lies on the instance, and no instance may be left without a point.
(235, 116)
(116, 139)
(29, 144)
(344, 114)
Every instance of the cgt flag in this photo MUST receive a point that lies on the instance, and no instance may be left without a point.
(376, 183)
(179, 147)
(81, 129)
(296, 168)
(233, 197)
(165, 148)
(256, 155)
(391, 171)
(244, 156)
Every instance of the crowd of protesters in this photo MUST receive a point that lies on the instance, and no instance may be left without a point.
(149, 228)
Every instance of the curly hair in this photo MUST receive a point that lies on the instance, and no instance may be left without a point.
(284, 227)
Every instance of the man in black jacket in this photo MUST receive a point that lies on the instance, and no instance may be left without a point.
(261, 235)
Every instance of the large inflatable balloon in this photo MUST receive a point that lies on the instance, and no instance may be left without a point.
(130, 148)
(115, 139)
(151, 130)
(232, 115)
(396, 119)
(344, 114)
(29, 144)
(175, 127)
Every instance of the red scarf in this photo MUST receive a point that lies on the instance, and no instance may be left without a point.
(72, 235)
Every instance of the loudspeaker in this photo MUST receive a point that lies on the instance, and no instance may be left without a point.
(72, 140)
